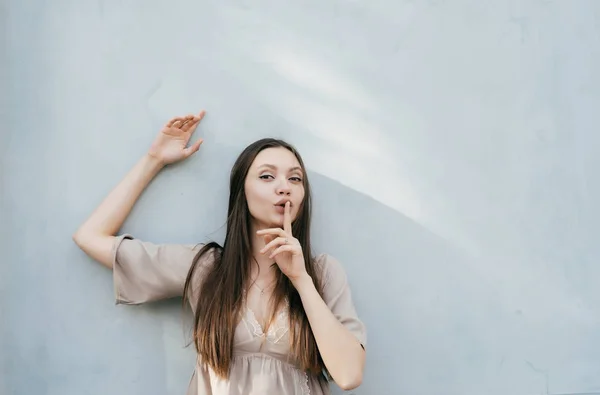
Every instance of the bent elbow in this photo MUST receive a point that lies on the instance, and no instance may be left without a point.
(80, 238)
(97, 247)
(76, 237)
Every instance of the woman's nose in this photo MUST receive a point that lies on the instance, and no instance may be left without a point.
(284, 188)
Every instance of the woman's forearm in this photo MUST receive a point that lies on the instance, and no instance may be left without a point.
(96, 235)
(341, 352)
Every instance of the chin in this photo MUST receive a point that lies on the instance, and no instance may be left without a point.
(266, 223)
(278, 223)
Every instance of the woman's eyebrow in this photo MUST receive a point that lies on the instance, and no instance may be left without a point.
(275, 167)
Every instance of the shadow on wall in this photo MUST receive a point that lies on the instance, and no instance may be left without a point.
(410, 287)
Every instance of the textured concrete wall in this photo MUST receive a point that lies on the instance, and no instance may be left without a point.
(453, 147)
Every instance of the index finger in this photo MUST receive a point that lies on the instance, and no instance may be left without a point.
(287, 218)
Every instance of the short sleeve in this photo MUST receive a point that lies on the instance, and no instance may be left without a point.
(338, 296)
(145, 272)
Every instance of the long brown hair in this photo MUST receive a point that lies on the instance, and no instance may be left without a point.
(220, 298)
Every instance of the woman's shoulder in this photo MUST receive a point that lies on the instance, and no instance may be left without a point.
(337, 295)
(146, 271)
(205, 256)
(328, 266)
(202, 263)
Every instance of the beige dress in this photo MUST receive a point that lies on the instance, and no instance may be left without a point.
(146, 272)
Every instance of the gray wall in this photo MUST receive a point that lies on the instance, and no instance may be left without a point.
(452, 147)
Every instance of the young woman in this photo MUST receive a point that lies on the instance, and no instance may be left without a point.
(269, 318)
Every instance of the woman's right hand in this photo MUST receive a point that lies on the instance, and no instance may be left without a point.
(170, 145)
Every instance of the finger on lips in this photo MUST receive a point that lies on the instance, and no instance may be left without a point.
(284, 235)
(287, 217)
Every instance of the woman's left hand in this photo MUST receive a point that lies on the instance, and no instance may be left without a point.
(285, 248)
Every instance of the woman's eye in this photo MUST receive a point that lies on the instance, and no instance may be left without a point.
(267, 176)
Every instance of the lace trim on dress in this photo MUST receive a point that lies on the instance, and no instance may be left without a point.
(279, 328)
(276, 331)
(256, 328)
(303, 378)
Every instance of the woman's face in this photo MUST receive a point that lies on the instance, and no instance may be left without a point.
(274, 177)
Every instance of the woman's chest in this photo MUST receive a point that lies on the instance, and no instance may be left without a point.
(251, 337)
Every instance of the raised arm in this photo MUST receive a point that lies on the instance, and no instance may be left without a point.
(96, 235)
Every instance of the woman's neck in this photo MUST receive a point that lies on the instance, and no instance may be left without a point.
(264, 273)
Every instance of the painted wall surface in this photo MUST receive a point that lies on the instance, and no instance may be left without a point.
(452, 145)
